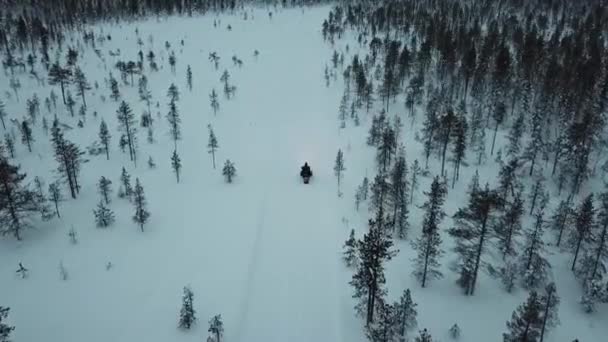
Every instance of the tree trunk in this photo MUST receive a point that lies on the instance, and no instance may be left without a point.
(578, 247)
(494, 139)
(545, 317)
(482, 236)
(600, 249)
(62, 91)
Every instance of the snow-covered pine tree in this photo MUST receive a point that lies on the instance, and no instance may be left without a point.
(549, 301)
(424, 336)
(339, 168)
(416, 171)
(174, 123)
(19, 201)
(515, 134)
(3, 114)
(534, 266)
(60, 76)
(176, 164)
(536, 145)
(126, 119)
(405, 315)
(398, 194)
(581, 236)
(229, 171)
(216, 328)
(104, 187)
(537, 193)
(455, 332)
(187, 314)
(141, 215)
(212, 144)
(473, 233)
(387, 147)
(509, 226)
(459, 139)
(104, 216)
(379, 193)
(125, 180)
(525, 321)
(56, 196)
(561, 220)
(215, 104)
(350, 250)
(82, 85)
(508, 180)
(509, 273)
(599, 248)
(368, 280)
(5, 328)
(189, 77)
(383, 329)
(428, 245)
(27, 138)
(104, 137)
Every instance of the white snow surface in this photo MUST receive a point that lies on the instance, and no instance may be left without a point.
(265, 251)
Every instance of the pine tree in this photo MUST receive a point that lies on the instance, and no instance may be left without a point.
(428, 244)
(386, 148)
(339, 168)
(3, 114)
(424, 336)
(350, 250)
(125, 180)
(398, 194)
(187, 314)
(70, 103)
(515, 134)
(525, 321)
(561, 219)
(189, 77)
(459, 139)
(115, 91)
(581, 236)
(594, 267)
(104, 186)
(229, 171)
(447, 123)
(126, 119)
(69, 157)
(368, 280)
(216, 327)
(104, 216)
(455, 332)
(536, 144)
(416, 172)
(26, 135)
(174, 123)
(537, 194)
(82, 85)
(19, 202)
(405, 315)
(176, 164)
(10, 144)
(61, 76)
(141, 215)
(343, 109)
(56, 196)
(215, 105)
(472, 233)
(173, 93)
(379, 193)
(509, 226)
(534, 266)
(104, 137)
(383, 328)
(509, 273)
(212, 145)
(5, 328)
(549, 301)
(144, 93)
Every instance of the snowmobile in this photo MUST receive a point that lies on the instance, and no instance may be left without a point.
(306, 173)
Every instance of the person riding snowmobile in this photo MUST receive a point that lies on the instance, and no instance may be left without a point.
(306, 173)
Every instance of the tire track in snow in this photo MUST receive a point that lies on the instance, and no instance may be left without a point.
(251, 269)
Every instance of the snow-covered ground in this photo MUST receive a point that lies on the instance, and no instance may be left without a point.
(265, 251)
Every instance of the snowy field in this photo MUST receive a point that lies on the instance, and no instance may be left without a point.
(264, 251)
